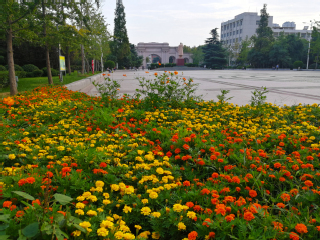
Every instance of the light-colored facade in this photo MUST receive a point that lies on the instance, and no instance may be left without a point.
(161, 52)
(245, 25)
(241, 26)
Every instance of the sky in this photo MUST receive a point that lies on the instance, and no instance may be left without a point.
(190, 21)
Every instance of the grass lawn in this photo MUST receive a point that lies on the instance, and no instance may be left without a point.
(28, 84)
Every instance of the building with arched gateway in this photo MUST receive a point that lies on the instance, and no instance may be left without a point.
(160, 52)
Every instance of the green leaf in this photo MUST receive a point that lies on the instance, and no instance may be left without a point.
(3, 226)
(4, 237)
(63, 199)
(79, 228)
(60, 235)
(5, 217)
(24, 195)
(31, 230)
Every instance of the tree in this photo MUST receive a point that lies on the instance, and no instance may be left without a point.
(315, 45)
(136, 61)
(120, 46)
(214, 53)
(262, 41)
(244, 50)
(14, 19)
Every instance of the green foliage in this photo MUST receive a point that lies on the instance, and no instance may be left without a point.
(4, 79)
(222, 97)
(30, 75)
(109, 90)
(258, 55)
(21, 74)
(315, 45)
(298, 64)
(37, 73)
(166, 89)
(120, 46)
(191, 65)
(30, 68)
(109, 64)
(244, 50)
(16, 67)
(258, 97)
(54, 72)
(2, 68)
(2, 60)
(214, 53)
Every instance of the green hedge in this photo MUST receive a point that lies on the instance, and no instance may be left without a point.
(2, 68)
(16, 67)
(37, 73)
(53, 72)
(4, 78)
(191, 65)
(30, 68)
(21, 74)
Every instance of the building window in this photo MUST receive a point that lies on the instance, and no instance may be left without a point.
(234, 40)
(227, 34)
(241, 23)
(224, 27)
(240, 31)
(237, 31)
(240, 39)
(227, 41)
(234, 32)
(257, 22)
(234, 24)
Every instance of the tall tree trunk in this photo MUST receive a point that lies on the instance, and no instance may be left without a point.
(12, 79)
(82, 60)
(88, 70)
(50, 81)
(68, 60)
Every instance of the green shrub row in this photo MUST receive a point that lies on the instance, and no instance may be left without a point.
(4, 79)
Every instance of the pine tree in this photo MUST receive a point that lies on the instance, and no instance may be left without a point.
(214, 53)
(120, 45)
(259, 55)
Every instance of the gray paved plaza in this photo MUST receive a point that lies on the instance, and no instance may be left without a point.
(285, 87)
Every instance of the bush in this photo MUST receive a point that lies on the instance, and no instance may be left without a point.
(4, 78)
(21, 74)
(191, 65)
(16, 67)
(53, 72)
(37, 73)
(30, 68)
(298, 64)
(313, 66)
(110, 64)
(2, 68)
(2, 60)
(30, 75)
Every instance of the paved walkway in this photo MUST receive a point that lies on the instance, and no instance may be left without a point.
(285, 87)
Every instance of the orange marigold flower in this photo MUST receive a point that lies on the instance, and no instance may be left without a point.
(253, 193)
(281, 205)
(186, 183)
(220, 209)
(301, 228)
(190, 204)
(37, 201)
(19, 214)
(211, 235)
(248, 216)
(285, 197)
(13, 207)
(294, 192)
(229, 217)
(193, 235)
(294, 236)
(277, 226)
(318, 228)
(186, 146)
(282, 179)
(308, 183)
(7, 204)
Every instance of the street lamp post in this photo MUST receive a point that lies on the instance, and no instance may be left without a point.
(311, 23)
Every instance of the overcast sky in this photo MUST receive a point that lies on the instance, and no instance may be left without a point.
(190, 21)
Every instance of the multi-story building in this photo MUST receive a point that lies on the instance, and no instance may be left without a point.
(242, 26)
(245, 25)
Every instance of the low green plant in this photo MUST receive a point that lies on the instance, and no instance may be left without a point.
(258, 97)
(222, 97)
(109, 90)
(37, 73)
(30, 68)
(4, 79)
(2, 68)
(298, 64)
(16, 67)
(166, 89)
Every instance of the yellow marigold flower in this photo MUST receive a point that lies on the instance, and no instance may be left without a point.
(127, 209)
(99, 189)
(140, 152)
(191, 214)
(156, 214)
(99, 209)
(181, 226)
(153, 195)
(137, 227)
(116, 216)
(92, 198)
(144, 234)
(86, 194)
(80, 205)
(61, 148)
(102, 232)
(79, 212)
(106, 195)
(177, 207)
(119, 235)
(80, 198)
(99, 184)
(85, 224)
(159, 170)
(76, 233)
(91, 213)
(25, 133)
(12, 156)
(128, 236)
(155, 235)
(115, 187)
(129, 190)
(144, 201)
(106, 202)
(145, 211)
(185, 207)
(110, 219)
(106, 224)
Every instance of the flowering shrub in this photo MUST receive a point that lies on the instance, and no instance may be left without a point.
(214, 171)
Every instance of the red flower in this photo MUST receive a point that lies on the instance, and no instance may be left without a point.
(301, 228)
(89, 129)
(193, 235)
(186, 146)
(120, 110)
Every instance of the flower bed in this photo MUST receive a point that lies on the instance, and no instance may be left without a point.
(73, 169)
